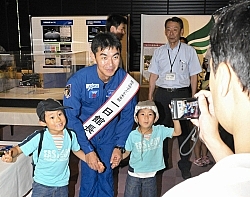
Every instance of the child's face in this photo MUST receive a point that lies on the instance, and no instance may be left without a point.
(146, 117)
(55, 120)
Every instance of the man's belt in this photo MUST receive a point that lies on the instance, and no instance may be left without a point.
(119, 99)
(174, 89)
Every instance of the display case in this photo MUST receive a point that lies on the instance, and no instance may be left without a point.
(25, 78)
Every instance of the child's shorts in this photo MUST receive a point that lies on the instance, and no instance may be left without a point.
(40, 190)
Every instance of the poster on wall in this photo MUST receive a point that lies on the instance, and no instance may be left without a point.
(57, 38)
(61, 45)
(196, 30)
(57, 30)
(95, 27)
(148, 51)
(62, 42)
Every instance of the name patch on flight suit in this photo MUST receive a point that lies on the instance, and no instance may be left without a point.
(93, 90)
(91, 86)
(109, 93)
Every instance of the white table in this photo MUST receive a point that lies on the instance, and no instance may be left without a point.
(18, 116)
(22, 115)
(32, 93)
(15, 178)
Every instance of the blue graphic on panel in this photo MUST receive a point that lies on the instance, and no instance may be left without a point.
(56, 22)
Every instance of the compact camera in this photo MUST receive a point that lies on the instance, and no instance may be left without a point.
(184, 108)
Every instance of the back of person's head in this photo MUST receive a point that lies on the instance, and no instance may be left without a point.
(105, 40)
(230, 40)
(115, 20)
(48, 105)
(174, 19)
(184, 40)
(146, 105)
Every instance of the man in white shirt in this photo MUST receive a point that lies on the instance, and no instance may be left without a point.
(173, 69)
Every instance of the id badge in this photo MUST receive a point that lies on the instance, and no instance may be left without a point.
(170, 76)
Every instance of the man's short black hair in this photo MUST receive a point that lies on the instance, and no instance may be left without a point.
(230, 40)
(105, 40)
(174, 19)
(115, 20)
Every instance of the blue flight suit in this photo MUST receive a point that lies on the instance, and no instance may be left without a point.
(85, 92)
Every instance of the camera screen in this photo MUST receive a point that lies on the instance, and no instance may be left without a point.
(184, 108)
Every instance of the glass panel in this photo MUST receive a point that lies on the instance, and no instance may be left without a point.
(37, 76)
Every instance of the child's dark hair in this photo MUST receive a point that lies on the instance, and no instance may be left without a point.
(48, 105)
(42, 116)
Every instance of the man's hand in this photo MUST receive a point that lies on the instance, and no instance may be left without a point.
(208, 125)
(207, 122)
(205, 105)
(92, 161)
(101, 167)
(116, 158)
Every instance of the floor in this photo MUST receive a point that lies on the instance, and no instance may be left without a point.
(165, 180)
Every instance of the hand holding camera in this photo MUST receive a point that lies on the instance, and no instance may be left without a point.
(184, 108)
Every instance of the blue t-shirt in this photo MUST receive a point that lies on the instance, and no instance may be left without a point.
(52, 167)
(147, 155)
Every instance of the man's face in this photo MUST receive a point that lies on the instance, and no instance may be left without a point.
(120, 31)
(107, 62)
(173, 32)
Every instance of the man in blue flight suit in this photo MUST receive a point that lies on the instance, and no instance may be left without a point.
(89, 90)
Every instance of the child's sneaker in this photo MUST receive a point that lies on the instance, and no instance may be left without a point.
(206, 160)
(199, 162)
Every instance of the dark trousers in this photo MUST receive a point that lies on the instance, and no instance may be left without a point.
(162, 99)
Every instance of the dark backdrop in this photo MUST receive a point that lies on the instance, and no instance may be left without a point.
(11, 41)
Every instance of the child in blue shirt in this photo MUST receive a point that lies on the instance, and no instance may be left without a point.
(145, 147)
(51, 174)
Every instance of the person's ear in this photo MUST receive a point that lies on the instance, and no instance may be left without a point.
(165, 32)
(43, 124)
(156, 118)
(113, 29)
(182, 32)
(136, 119)
(92, 57)
(223, 76)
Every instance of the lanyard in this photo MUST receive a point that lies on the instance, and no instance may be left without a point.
(171, 64)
